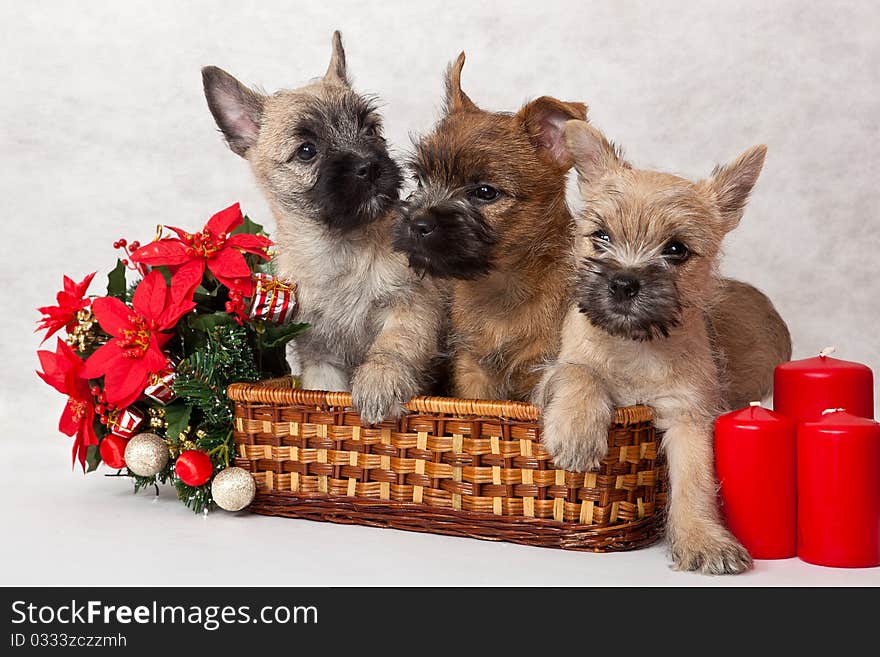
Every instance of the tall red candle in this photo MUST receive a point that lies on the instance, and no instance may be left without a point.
(839, 491)
(755, 458)
(802, 389)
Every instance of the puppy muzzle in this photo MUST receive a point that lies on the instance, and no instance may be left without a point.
(446, 240)
(638, 304)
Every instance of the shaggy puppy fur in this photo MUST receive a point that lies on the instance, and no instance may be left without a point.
(318, 154)
(489, 214)
(639, 330)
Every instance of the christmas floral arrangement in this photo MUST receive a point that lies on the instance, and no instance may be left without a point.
(145, 367)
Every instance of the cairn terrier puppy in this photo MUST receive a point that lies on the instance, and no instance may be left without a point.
(489, 214)
(319, 156)
(639, 332)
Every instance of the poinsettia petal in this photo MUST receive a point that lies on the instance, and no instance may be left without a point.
(167, 251)
(186, 279)
(83, 286)
(154, 359)
(102, 361)
(224, 221)
(71, 363)
(78, 454)
(125, 381)
(173, 313)
(180, 232)
(58, 366)
(68, 424)
(229, 263)
(112, 315)
(256, 244)
(150, 296)
(51, 374)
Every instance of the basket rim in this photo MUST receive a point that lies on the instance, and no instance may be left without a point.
(274, 391)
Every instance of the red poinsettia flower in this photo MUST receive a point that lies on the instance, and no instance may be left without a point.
(214, 248)
(62, 370)
(134, 351)
(70, 302)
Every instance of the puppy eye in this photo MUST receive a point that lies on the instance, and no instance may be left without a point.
(602, 236)
(306, 152)
(676, 251)
(371, 130)
(486, 193)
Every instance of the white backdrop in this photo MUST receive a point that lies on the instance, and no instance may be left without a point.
(104, 132)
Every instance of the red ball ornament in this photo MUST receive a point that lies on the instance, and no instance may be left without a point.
(112, 451)
(194, 467)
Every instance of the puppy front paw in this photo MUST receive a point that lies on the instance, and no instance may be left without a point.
(379, 390)
(712, 551)
(577, 442)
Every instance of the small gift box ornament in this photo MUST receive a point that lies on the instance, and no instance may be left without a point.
(159, 388)
(273, 300)
(124, 422)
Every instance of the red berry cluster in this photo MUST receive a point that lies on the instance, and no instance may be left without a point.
(236, 307)
(128, 249)
(102, 408)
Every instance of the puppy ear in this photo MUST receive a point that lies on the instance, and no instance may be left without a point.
(544, 120)
(593, 155)
(336, 72)
(733, 183)
(456, 99)
(237, 110)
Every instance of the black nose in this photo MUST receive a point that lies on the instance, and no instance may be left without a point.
(367, 169)
(624, 287)
(423, 224)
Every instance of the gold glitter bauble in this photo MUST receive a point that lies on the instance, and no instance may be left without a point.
(233, 489)
(146, 454)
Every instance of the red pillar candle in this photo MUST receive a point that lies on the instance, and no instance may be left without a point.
(755, 458)
(839, 491)
(802, 389)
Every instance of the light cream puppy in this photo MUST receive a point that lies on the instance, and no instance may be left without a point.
(638, 330)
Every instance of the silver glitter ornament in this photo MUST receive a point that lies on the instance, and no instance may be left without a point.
(233, 489)
(146, 454)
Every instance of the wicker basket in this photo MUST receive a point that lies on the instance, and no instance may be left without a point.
(451, 466)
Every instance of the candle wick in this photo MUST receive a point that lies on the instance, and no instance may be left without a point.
(827, 351)
(827, 411)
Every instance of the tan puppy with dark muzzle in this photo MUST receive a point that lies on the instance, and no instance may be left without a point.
(319, 156)
(639, 329)
(490, 215)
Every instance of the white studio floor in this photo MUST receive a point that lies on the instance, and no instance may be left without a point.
(61, 528)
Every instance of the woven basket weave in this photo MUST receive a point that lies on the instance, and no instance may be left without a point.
(450, 466)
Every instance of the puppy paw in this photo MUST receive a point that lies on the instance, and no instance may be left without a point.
(379, 390)
(711, 552)
(577, 442)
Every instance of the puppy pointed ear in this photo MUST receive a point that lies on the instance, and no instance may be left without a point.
(592, 153)
(544, 120)
(456, 99)
(237, 110)
(733, 183)
(336, 72)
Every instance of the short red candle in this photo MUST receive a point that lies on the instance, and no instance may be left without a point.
(755, 458)
(839, 491)
(802, 389)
